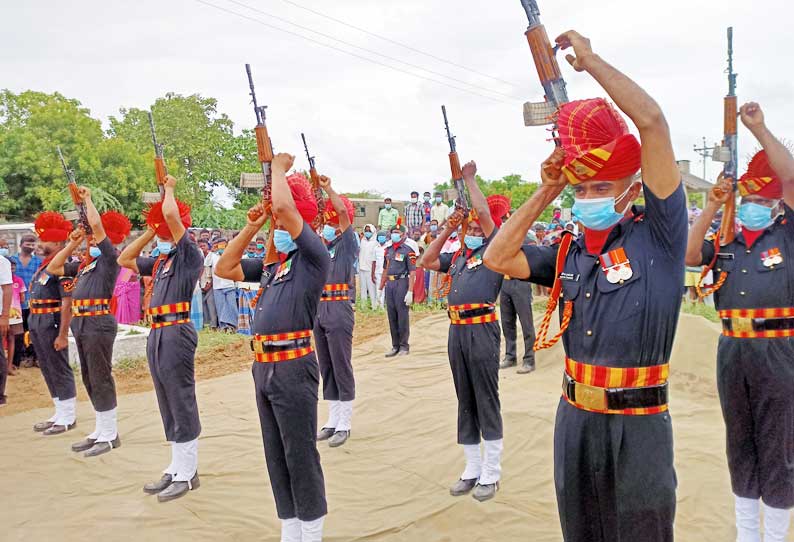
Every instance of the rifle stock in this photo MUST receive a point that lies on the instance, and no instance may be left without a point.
(730, 125)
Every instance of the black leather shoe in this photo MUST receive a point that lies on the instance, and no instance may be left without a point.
(507, 362)
(485, 492)
(391, 353)
(526, 367)
(83, 445)
(59, 429)
(42, 426)
(339, 438)
(462, 487)
(156, 487)
(325, 433)
(178, 489)
(103, 447)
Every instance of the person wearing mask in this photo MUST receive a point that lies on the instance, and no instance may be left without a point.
(172, 340)
(27, 264)
(285, 368)
(621, 285)
(15, 328)
(366, 266)
(414, 212)
(377, 273)
(250, 252)
(754, 295)
(6, 297)
(224, 290)
(207, 291)
(426, 207)
(93, 324)
(387, 217)
(50, 315)
(261, 243)
(439, 212)
(473, 344)
(398, 282)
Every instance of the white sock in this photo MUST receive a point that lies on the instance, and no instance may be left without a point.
(186, 460)
(473, 462)
(171, 468)
(776, 522)
(312, 531)
(492, 461)
(290, 530)
(107, 429)
(55, 402)
(97, 424)
(67, 414)
(748, 519)
(345, 415)
(333, 415)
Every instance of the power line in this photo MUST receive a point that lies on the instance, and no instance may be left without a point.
(395, 42)
(370, 51)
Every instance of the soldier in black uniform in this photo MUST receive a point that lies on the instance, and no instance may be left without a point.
(286, 374)
(399, 274)
(93, 324)
(622, 284)
(333, 330)
(473, 344)
(50, 314)
(754, 293)
(171, 345)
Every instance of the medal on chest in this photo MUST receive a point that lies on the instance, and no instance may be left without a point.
(474, 261)
(771, 257)
(616, 266)
(44, 278)
(88, 268)
(399, 257)
(284, 269)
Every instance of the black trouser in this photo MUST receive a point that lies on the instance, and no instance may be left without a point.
(474, 359)
(171, 351)
(614, 476)
(755, 380)
(55, 368)
(398, 313)
(286, 397)
(3, 372)
(516, 299)
(333, 338)
(94, 336)
(20, 350)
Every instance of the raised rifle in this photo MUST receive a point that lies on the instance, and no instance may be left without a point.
(264, 149)
(462, 200)
(319, 195)
(543, 113)
(82, 214)
(728, 152)
(160, 170)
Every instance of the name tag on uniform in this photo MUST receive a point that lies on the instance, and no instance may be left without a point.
(474, 261)
(399, 257)
(616, 266)
(573, 277)
(771, 257)
(332, 252)
(284, 269)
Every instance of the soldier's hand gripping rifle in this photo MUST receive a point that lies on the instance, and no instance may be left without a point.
(462, 199)
(159, 167)
(728, 152)
(543, 113)
(319, 195)
(79, 205)
(264, 149)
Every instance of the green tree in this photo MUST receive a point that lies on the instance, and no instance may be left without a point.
(364, 194)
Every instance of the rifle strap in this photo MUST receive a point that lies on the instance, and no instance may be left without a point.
(706, 290)
(541, 341)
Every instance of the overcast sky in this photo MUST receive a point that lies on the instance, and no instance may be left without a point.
(377, 128)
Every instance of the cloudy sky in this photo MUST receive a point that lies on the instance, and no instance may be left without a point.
(375, 127)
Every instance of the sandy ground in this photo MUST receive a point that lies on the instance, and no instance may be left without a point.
(388, 483)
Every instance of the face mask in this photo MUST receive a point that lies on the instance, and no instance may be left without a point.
(438, 199)
(94, 252)
(388, 205)
(473, 242)
(3, 252)
(283, 241)
(433, 227)
(453, 235)
(395, 237)
(427, 199)
(598, 213)
(329, 233)
(754, 216)
(414, 200)
(381, 239)
(260, 246)
(164, 247)
(368, 234)
(219, 251)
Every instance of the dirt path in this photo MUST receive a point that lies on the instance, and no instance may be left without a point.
(217, 355)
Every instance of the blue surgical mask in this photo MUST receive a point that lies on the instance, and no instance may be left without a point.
(395, 237)
(414, 200)
(473, 242)
(94, 252)
(219, 251)
(283, 241)
(368, 234)
(598, 213)
(438, 199)
(427, 199)
(453, 235)
(329, 233)
(164, 247)
(388, 205)
(381, 239)
(754, 216)
(433, 227)
(3, 251)
(260, 246)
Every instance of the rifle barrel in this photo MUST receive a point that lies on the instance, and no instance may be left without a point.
(450, 137)
(532, 11)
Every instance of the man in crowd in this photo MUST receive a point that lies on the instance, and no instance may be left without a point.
(414, 212)
(399, 274)
(621, 287)
(753, 293)
(426, 206)
(27, 264)
(473, 344)
(380, 258)
(439, 212)
(366, 266)
(6, 293)
(224, 290)
(387, 217)
(207, 291)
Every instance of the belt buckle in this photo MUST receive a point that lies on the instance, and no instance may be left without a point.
(742, 325)
(453, 315)
(590, 397)
(256, 347)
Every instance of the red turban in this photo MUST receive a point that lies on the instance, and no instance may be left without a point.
(52, 227)
(156, 220)
(499, 206)
(331, 215)
(760, 179)
(117, 226)
(303, 196)
(597, 142)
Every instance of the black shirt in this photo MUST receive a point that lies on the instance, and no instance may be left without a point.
(290, 290)
(177, 274)
(97, 280)
(400, 260)
(472, 282)
(343, 252)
